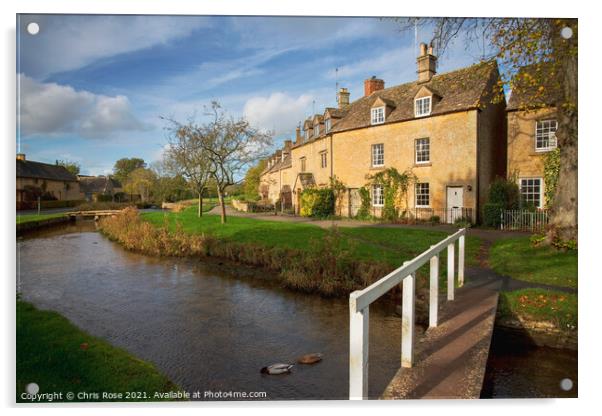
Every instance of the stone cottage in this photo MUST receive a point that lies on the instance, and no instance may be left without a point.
(443, 127)
(44, 180)
(531, 134)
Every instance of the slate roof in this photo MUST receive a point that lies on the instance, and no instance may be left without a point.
(525, 92)
(97, 184)
(39, 170)
(460, 90)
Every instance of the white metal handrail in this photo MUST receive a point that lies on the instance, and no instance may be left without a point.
(360, 300)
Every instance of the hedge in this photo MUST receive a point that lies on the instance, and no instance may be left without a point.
(60, 203)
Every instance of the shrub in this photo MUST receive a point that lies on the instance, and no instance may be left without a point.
(317, 202)
(435, 219)
(505, 193)
(104, 198)
(491, 214)
(462, 222)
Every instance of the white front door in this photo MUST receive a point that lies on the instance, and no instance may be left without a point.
(455, 203)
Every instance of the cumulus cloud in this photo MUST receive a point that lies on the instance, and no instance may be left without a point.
(279, 112)
(50, 108)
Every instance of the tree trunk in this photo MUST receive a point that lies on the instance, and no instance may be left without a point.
(222, 204)
(563, 212)
(200, 208)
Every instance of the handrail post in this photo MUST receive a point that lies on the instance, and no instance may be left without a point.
(434, 292)
(407, 321)
(358, 350)
(450, 272)
(461, 261)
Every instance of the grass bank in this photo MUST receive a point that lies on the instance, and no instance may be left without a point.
(26, 218)
(518, 258)
(59, 357)
(539, 310)
(303, 256)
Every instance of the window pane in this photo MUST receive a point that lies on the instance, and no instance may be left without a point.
(378, 154)
(545, 134)
(423, 150)
(422, 195)
(531, 192)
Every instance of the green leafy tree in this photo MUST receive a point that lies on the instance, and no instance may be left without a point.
(125, 166)
(73, 167)
(141, 182)
(252, 181)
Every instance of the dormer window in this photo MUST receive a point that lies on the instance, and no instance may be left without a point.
(316, 130)
(378, 115)
(328, 124)
(422, 106)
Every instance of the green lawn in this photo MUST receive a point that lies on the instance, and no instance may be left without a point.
(391, 245)
(23, 218)
(516, 257)
(50, 353)
(556, 307)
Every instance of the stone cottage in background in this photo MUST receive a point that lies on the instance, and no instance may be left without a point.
(445, 128)
(43, 180)
(100, 188)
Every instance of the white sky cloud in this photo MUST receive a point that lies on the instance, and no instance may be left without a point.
(278, 112)
(49, 108)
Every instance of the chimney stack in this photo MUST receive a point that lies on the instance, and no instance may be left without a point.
(343, 98)
(427, 64)
(21, 156)
(298, 135)
(373, 84)
(287, 146)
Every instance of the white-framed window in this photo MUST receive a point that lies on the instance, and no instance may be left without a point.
(378, 155)
(423, 150)
(422, 195)
(531, 191)
(545, 135)
(378, 196)
(422, 106)
(323, 159)
(328, 124)
(303, 164)
(378, 115)
(316, 130)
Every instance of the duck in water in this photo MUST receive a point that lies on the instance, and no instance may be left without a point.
(312, 358)
(276, 369)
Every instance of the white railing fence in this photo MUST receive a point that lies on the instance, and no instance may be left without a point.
(360, 300)
(524, 220)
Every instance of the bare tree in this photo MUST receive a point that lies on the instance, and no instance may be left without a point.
(186, 156)
(232, 146)
(549, 46)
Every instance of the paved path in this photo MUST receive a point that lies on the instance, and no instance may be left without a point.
(450, 360)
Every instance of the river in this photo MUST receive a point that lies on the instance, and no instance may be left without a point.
(207, 326)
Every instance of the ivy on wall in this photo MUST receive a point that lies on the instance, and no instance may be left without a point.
(364, 211)
(551, 168)
(395, 188)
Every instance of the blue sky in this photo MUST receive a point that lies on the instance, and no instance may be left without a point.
(92, 88)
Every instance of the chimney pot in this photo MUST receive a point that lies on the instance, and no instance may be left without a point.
(373, 84)
(427, 64)
(343, 98)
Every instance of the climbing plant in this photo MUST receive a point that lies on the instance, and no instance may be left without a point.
(395, 187)
(364, 211)
(338, 190)
(551, 168)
